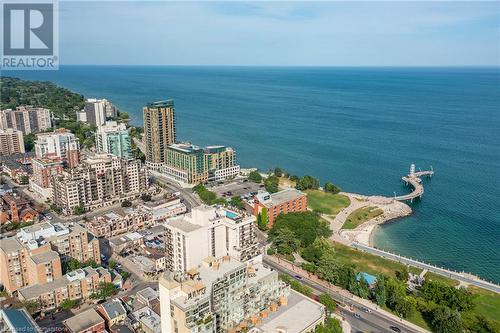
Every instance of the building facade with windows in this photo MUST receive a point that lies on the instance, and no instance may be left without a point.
(76, 285)
(114, 138)
(191, 164)
(27, 119)
(209, 231)
(219, 295)
(11, 141)
(100, 180)
(159, 131)
(60, 143)
(283, 202)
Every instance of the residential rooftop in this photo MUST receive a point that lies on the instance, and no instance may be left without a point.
(147, 317)
(45, 257)
(17, 321)
(297, 316)
(36, 290)
(83, 321)
(270, 200)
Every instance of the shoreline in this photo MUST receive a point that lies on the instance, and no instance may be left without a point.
(365, 232)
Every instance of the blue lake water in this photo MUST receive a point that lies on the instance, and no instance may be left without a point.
(359, 127)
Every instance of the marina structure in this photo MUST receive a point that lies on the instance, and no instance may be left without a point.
(413, 179)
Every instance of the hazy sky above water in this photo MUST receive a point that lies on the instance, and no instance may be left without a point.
(280, 33)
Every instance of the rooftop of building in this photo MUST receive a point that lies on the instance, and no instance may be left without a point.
(148, 294)
(83, 321)
(113, 308)
(10, 244)
(296, 317)
(9, 131)
(197, 283)
(185, 147)
(159, 104)
(45, 257)
(36, 290)
(204, 215)
(148, 318)
(270, 200)
(19, 321)
(122, 239)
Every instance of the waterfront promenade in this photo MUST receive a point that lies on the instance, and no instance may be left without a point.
(413, 179)
(460, 276)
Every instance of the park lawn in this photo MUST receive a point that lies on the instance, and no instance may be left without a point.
(436, 277)
(326, 203)
(367, 262)
(487, 304)
(360, 216)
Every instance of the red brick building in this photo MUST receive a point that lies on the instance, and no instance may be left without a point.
(286, 201)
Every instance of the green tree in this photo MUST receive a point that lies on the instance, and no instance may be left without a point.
(24, 180)
(271, 184)
(125, 275)
(68, 304)
(446, 321)
(31, 306)
(307, 182)
(285, 241)
(278, 172)
(112, 264)
(331, 188)
(78, 210)
(405, 306)
(403, 275)
(126, 203)
(255, 177)
(379, 291)
(29, 142)
(237, 202)
(146, 197)
(328, 302)
(315, 251)
(105, 290)
(262, 219)
(307, 226)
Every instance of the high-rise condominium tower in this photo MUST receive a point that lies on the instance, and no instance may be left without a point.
(159, 130)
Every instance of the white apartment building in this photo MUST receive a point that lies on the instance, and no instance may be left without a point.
(96, 111)
(209, 232)
(226, 295)
(26, 119)
(60, 143)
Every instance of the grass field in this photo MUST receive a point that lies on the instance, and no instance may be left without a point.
(360, 216)
(326, 203)
(368, 263)
(436, 277)
(487, 304)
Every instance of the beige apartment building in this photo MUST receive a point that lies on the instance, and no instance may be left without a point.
(60, 143)
(34, 255)
(11, 141)
(100, 180)
(117, 223)
(43, 170)
(159, 130)
(75, 285)
(21, 266)
(26, 119)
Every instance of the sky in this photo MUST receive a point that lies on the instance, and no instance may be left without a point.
(328, 33)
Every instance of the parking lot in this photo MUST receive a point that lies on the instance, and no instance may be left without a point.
(236, 188)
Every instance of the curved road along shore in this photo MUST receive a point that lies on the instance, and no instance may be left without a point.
(441, 271)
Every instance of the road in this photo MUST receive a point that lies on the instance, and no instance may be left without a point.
(374, 321)
(441, 271)
(190, 199)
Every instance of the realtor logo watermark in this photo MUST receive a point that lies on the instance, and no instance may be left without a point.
(30, 35)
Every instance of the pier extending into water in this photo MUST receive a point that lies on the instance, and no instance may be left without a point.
(413, 179)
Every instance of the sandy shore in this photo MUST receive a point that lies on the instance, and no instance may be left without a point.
(364, 233)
